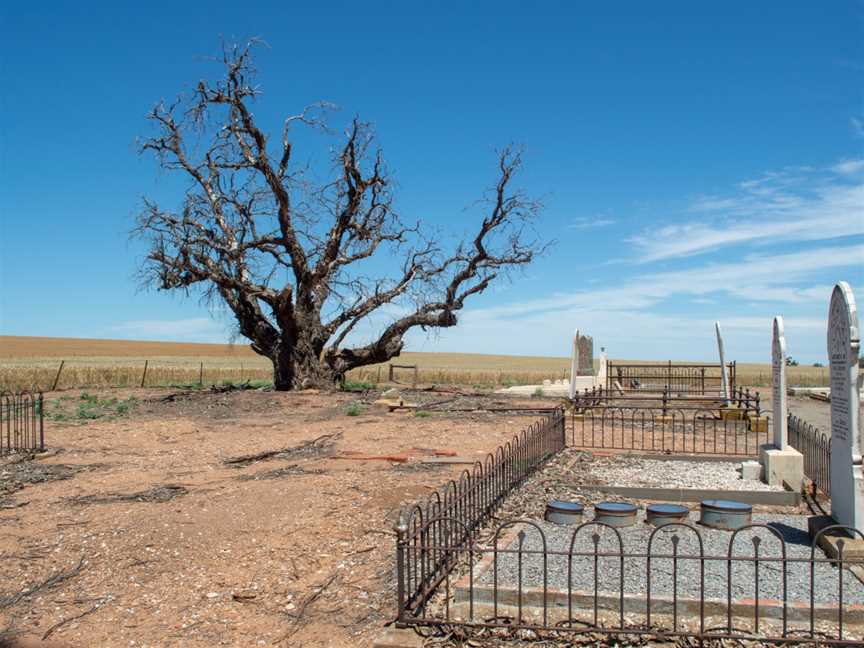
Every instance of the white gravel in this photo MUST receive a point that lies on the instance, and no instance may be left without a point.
(715, 544)
(656, 473)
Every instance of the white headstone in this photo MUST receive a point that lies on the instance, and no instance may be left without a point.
(724, 379)
(847, 481)
(601, 370)
(778, 385)
(574, 364)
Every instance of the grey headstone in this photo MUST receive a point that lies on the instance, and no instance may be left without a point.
(586, 355)
(847, 480)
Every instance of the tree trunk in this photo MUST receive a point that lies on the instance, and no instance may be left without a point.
(301, 367)
(283, 370)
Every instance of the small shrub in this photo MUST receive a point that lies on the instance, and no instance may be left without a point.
(538, 393)
(508, 382)
(354, 409)
(356, 386)
(422, 414)
(90, 407)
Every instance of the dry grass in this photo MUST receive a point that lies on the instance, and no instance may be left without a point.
(30, 362)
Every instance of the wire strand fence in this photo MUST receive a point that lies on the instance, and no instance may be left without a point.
(21, 422)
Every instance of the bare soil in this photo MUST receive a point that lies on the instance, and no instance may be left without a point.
(219, 519)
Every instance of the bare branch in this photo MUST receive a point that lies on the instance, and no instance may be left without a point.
(287, 254)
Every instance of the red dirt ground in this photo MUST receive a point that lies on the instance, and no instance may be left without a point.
(291, 550)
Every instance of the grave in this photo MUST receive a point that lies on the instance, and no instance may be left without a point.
(533, 557)
(581, 364)
(781, 463)
(847, 480)
(582, 374)
(724, 378)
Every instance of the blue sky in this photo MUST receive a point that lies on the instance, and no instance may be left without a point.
(696, 161)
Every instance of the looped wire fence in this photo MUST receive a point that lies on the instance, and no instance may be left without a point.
(768, 582)
(588, 581)
(816, 448)
(465, 505)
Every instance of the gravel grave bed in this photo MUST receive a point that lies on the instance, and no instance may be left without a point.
(658, 473)
(793, 529)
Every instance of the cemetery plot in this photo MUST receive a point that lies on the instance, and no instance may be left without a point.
(768, 581)
(675, 378)
(567, 572)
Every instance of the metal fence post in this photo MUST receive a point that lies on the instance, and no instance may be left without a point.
(401, 540)
(41, 423)
(57, 377)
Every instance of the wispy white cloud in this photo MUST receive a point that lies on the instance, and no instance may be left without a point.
(646, 316)
(800, 204)
(584, 222)
(197, 329)
(849, 167)
(785, 278)
(857, 126)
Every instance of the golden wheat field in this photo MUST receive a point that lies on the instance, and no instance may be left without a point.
(35, 363)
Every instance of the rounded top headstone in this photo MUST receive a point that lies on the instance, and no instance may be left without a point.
(842, 319)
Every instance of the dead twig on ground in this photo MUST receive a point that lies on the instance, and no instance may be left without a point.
(305, 604)
(156, 494)
(287, 471)
(320, 446)
(52, 581)
(75, 617)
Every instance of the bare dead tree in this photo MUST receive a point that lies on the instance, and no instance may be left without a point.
(291, 256)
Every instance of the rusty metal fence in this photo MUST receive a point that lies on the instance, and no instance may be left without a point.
(674, 378)
(21, 422)
(468, 502)
(816, 448)
(670, 430)
(682, 583)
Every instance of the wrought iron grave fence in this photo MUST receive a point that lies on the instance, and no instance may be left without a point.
(21, 422)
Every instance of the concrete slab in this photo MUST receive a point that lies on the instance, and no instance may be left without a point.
(552, 390)
(768, 498)
(394, 637)
(853, 548)
(751, 470)
(782, 467)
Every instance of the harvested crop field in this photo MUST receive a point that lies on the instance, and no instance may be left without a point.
(33, 362)
(200, 518)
